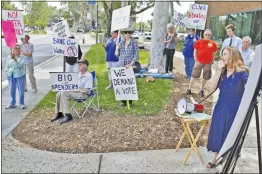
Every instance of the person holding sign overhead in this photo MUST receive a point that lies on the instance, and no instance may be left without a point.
(111, 58)
(127, 52)
(71, 65)
(62, 109)
(231, 85)
(15, 71)
(27, 50)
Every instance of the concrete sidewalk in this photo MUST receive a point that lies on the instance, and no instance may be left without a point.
(20, 158)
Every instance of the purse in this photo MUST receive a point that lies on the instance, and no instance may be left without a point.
(137, 69)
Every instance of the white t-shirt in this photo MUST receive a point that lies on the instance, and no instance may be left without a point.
(28, 48)
(85, 81)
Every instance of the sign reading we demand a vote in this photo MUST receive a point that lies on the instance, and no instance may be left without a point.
(124, 83)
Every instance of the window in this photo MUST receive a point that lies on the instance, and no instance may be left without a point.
(247, 24)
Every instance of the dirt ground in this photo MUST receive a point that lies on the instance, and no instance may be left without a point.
(110, 132)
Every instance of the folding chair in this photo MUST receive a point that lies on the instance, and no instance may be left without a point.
(90, 101)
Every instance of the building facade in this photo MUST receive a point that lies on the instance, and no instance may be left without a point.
(246, 16)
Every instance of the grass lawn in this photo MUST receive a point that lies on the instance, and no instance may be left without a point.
(152, 96)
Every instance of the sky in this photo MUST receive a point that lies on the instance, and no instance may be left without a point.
(146, 15)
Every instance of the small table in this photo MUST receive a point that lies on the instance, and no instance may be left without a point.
(186, 122)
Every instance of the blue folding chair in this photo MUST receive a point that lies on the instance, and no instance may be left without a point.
(90, 101)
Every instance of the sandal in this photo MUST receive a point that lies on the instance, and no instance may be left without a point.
(210, 165)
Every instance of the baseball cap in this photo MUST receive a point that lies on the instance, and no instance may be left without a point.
(84, 61)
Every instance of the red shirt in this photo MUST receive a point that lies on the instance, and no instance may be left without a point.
(205, 50)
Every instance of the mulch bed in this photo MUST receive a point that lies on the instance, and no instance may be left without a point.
(109, 131)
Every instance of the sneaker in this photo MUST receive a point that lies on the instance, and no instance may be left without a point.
(188, 92)
(35, 90)
(109, 87)
(22, 106)
(10, 107)
(201, 93)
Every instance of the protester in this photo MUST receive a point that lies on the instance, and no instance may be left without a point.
(127, 52)
(170, 46)
(231, 86)
(204, 55)
(27, 50)
(111, 58)
(71, 65)
(15, 71)
(62, 109)
(188, 52)
(246, 52)
(232, 39)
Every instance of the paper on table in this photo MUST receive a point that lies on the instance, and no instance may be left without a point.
(200, 116)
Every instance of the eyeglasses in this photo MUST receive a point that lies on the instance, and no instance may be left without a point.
(207, 34)
(129, 32)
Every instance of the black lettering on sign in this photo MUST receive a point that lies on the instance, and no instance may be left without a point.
(120, 73)
(129, 90)
(118, 92)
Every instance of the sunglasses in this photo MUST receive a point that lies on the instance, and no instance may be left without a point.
(207, 34)
(129, 32)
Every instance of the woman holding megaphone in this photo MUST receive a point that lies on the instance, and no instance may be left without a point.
(231, 77)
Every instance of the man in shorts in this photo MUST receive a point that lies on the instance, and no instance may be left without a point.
(204, 55)
(111, 59)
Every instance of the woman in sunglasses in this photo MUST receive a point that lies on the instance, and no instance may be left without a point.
(231, 85)
(128, 53)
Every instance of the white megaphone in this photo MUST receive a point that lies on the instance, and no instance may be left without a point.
(183, 106)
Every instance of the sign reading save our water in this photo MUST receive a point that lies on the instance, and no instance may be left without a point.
(62, 81)
(124, 83)
(65, 46)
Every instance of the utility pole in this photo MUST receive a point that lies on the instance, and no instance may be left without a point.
(96, 22)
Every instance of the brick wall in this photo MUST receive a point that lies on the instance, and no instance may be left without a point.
(223, 8)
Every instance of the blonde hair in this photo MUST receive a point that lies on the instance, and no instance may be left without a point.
(17, 46)
(235, 59)
(171, 26)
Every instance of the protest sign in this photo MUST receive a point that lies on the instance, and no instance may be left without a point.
(197, 16)
(17, 18)
(65, 46)
(124, 83)
(61, 29)
(120, 18)
(180, 19)
(62, 81)
(9, 33)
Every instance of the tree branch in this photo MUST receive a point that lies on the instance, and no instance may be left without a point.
(142, 10)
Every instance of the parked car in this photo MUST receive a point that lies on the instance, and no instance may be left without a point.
(147, 35)
(182, 36)
(136, 35)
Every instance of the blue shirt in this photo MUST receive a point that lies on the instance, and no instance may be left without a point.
(248, 56)
(128, 53)
(15, 68)
(188, 50)
(236, 42)
(28, 47)
(110, 50)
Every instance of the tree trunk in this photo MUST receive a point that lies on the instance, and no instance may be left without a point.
(160, 20)
(171, 9)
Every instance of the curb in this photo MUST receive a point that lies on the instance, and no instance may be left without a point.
(36, 68)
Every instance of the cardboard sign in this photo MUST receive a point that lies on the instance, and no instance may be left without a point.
(120, 18)
(61, 29)
(124, 83)
(179, 19)
(17, 18)
(62, 81)
(250, 88)
(9, 33)
(65, 46)
(197, 16)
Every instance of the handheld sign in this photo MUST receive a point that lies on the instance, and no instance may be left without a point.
(9, 33)
(120, 18)
(124, 83)
(18, 20)
(197, 16)
(65, 46)
(62, 81)
(180, 19)
(61, 29)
